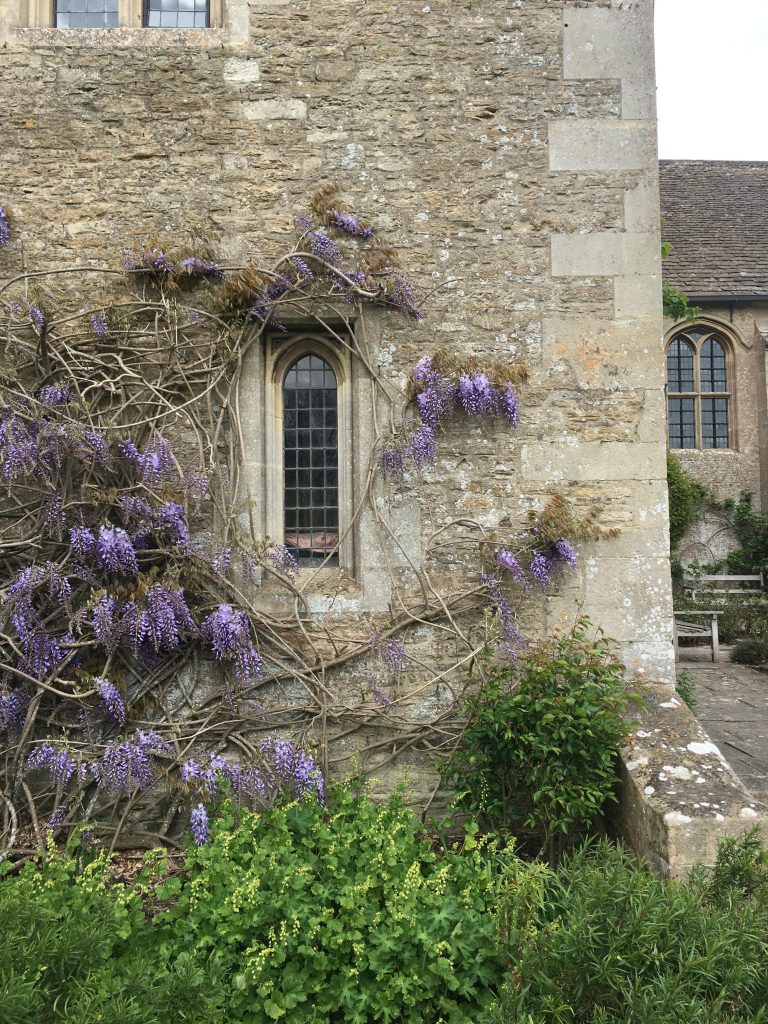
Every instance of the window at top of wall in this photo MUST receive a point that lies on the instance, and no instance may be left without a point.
(85, 14)
(698, 390)
(177, 14)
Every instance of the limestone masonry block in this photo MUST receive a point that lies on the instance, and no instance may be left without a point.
(602, 43)
(605, 254)
(610, 460)
(600, 145)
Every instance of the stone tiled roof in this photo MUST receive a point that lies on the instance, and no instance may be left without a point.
(715, 214)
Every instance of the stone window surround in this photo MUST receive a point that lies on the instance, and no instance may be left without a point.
(39, 14)
(730, 336)
(362, 562)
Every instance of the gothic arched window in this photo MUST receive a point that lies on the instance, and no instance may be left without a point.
(311, 461)
(698, 396)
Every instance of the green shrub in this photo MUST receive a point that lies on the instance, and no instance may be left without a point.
(685, 690)
(603, 942)
(69, 952)
(542, 737)
(750, 652)
(345, 914)
(685, 499)
(752, 531)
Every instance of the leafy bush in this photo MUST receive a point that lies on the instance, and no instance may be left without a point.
(750, 652)
(69, 952)
(339, 915)
(603, 942)
(685, 500)
(542, 736)
(685, 690)
(752, 531)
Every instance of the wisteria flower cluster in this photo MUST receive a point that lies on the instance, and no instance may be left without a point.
(123, 767)
(230, 636)
(38, 445)
(196, 266)
(156, 462)
(284, 770)
(154, 260)
(5, 229)
(440, 395)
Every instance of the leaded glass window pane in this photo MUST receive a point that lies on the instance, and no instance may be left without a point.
(311, 461)
(682, 422)
(680, 366)
(85, 14)
(176, 14)
(713, 366)
(714, 422)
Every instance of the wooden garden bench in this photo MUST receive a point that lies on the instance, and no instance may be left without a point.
(723, 584)
(681, 627)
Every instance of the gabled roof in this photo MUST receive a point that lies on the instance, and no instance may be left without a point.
(715, 215)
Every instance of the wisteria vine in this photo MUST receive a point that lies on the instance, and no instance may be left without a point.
(143, 675)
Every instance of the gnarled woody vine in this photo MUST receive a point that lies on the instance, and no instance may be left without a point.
(128, 571)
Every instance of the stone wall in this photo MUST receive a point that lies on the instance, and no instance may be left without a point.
(509, 151)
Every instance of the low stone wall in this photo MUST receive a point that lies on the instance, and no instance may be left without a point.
(678, 795)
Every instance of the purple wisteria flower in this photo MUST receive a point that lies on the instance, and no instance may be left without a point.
(221, 561)
(112, 698)
(99, 324)
(156, 463)
(421, 446)
(5, 229)
(302, 268)
(324, 248)
(229, 632)
(392, 462)
(36, 316)
(58, 762)
(128, 766)
(477, 395)
(13, 710)
(108, 627)
(198, 822)
(82, 541)
(381, 696)
(164, 623)
(438, 396)
(92, 447)
(282, 560)
(115, 552)
(351, 225)
(199, 267)
(403, 295)
(541, 569)
(19, 450)
(510, 638)
(43, 653)
(212, 778)
(565, 552)
(154, 260)
(507, 561)
(54, 519)
(54, 394)
(509, 405)
(171, 520)
(304, 223)
(294, 769)
(58, 817)
(391, 653)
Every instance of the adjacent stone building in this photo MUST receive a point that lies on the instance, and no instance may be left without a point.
(715, 217)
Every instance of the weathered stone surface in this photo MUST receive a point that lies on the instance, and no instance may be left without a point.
(679, 796)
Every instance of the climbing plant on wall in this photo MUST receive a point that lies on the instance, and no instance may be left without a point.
(141, 674)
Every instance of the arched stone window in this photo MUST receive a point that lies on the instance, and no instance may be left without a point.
(698, 394)
(311, 460)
